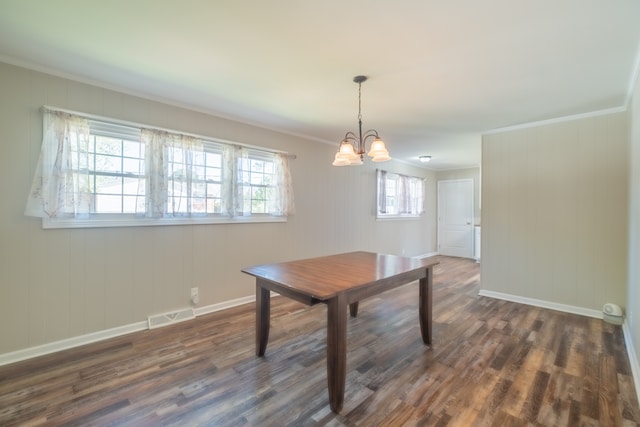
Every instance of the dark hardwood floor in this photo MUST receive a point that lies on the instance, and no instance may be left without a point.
(493, 363)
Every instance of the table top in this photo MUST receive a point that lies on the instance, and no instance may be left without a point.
(324, 277)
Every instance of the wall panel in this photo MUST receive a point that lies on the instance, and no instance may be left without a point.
(555, 211)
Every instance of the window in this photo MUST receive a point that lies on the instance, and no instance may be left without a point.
(399, 196)
(97, 173)
(257, 188)
(110, 169)
(194, 181)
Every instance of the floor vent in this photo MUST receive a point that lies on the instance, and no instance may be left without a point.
(166, 319)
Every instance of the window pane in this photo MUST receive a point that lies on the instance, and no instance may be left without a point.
(134, 166)
(214, 190)
(214, 206)
(198, 172)
(108, 184)
(258, 206)
(84, 182)
(108, 163)
(132, 149)
(214, 174)
(214, 160)
(256, 179)
(132, 204)
(132, 186)
(108, 204)
(110, 146)
(198, 205)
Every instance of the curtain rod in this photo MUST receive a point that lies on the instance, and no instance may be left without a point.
(140, 125)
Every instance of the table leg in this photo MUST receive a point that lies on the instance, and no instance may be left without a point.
(336, 350)
(353, 309)
(426, 305)
(263, 315)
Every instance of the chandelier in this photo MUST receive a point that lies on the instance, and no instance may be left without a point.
(352, 147)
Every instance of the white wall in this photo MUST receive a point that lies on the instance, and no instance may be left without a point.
(554, 212)
(59, 284)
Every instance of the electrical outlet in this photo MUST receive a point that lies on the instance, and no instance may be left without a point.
(195, 297)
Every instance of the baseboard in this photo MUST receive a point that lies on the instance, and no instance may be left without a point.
(542, 303)
(41, 350)
(633, 358)
(224, 305)
(53, 347)
(429, 255)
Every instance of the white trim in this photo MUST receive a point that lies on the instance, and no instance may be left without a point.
(557, 120)
(224, 305)
(41, 350)
(53, 347)
(633, 358)
(401, 217)
(429, 255)
(140, 221)
(541, 303)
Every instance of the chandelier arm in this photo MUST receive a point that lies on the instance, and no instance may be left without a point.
(370, 133)
(350, 136)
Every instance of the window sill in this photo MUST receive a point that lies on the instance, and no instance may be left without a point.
(398, 217)
(48, 223)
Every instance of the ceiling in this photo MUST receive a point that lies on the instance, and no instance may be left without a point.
(440, 73)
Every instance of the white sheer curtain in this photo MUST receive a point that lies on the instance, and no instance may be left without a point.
(382, 191)
(60, 187)
(173, 184)
(410, 195)
(282, 203)
(171, 172)
(237, 178)
(408, 198)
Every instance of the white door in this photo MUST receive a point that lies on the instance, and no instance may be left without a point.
(455, 218)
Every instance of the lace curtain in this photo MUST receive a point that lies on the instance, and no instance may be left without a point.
(408, 198)
(382, 191)
(60, 187)
(282, 204)
(237, 178)
(172, 171)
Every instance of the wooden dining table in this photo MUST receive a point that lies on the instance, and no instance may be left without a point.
(340, 281)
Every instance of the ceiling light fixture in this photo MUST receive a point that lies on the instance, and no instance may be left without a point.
(352, 147)
(424, 159)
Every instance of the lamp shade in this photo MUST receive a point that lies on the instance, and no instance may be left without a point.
(382, 157)
(378, 148)
(340, 160)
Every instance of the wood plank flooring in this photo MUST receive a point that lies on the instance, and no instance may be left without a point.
(493, 363)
